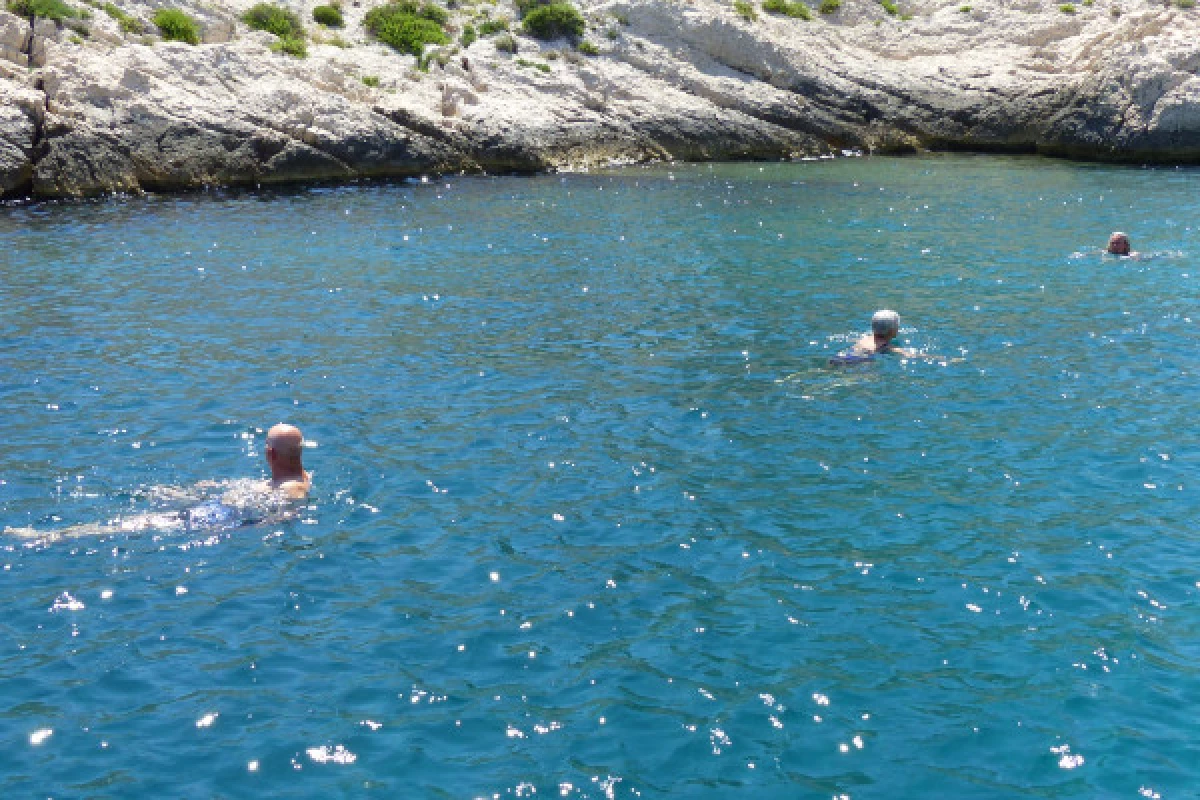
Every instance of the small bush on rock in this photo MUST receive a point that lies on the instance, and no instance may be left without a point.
(554, 21)
(177, 26)
(56, 10)
(292, 46)
(371, 80)
(406, 27)
(273, 19)
(829, 6)
(525, 6)
(491, 26)
(536, 65)
(588, 49)
(795, 10)
(329, 16)
(127, 23)
(744, 10)
(890, 7)
(469, 35)
(1067, 8)
(506, 43)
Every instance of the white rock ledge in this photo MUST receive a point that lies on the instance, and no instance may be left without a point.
(686, 80)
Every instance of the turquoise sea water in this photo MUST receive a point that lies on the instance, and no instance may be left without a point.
(592, 516)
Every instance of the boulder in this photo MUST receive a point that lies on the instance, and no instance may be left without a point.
(21, 114)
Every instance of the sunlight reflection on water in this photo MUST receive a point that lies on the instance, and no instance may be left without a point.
(593, 515)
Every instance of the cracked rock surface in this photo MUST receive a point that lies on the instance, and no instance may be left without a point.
(118, 111)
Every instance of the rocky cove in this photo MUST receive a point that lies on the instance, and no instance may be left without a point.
(92, 105)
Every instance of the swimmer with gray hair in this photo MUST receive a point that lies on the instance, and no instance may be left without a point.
(885, 326)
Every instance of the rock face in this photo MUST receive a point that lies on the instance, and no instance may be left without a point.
(691, 79)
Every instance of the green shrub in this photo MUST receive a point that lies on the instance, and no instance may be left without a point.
(965, 9)
(506, 43)
(56, 10)
(292, 46)
(273, 19)
(329, 16)
(177, 26)
(371, 80)
(829, 6)
(491, 26)
(523, 63)
(554, 21)
(796, 10)
(428, 11)
(126, 23)
(1067, 8)
(1181, 3)
(469, 35)
(890, 7)
(406, 27)
(588, 49)
(744, 10)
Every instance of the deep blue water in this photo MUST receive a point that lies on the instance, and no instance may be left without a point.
(592, 516)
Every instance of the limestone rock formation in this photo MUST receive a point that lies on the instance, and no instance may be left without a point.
(91, 105)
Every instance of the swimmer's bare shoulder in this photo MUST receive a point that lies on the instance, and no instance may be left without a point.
(294, 489)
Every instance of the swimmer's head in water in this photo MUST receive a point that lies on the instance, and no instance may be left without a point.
(285, 449)
(1118, 243)
(885, 323)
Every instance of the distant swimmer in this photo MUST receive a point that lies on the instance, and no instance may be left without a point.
(885, 326)
(1118, 245)
(285, 450)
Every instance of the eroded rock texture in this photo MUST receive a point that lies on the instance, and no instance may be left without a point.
(119, 111)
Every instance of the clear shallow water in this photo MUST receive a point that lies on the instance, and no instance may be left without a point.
(591, 514)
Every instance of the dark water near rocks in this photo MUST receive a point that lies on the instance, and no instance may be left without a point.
(592, 516)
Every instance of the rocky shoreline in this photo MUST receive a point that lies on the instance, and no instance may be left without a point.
(92, 108)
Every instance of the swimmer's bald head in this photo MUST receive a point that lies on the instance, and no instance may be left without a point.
(1118, 243)
(285, 450)
(286, 440)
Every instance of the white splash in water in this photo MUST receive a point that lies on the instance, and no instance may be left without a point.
(337, 754)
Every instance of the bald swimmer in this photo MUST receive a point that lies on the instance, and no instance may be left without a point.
(1118, 244)
(240, 502)
(285, 450)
